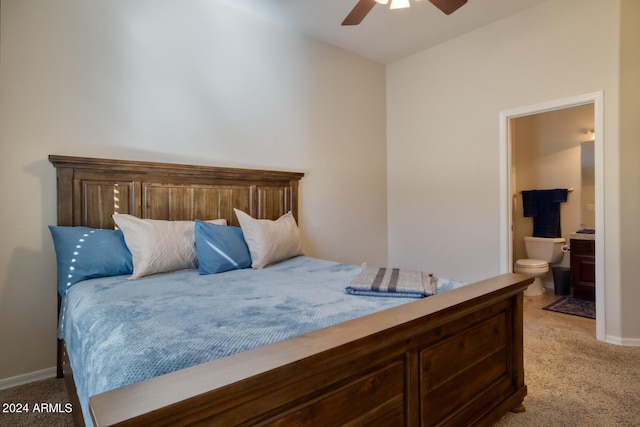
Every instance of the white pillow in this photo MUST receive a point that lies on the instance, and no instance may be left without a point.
(159, 246)
(270, 241)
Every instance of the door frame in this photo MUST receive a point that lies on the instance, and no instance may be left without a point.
(506, 192)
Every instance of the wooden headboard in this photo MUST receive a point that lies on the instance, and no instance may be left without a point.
(91, 190)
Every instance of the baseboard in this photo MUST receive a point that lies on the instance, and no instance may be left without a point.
(27, 378)
(627, 342)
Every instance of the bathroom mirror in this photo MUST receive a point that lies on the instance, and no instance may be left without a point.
(588, 193)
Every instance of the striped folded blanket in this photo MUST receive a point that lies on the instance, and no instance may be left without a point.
(393, 282)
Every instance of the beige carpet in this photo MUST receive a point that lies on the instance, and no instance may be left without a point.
(573, 380)
(45, 392)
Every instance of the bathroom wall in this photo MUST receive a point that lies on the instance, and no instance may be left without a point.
(546, 153)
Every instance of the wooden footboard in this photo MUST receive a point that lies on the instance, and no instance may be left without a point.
(452, 359)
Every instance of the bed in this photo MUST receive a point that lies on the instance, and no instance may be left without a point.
(454, 358)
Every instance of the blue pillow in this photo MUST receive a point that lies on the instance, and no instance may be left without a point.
(84, 253)
(220, 248)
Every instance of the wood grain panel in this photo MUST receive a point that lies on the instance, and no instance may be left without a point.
(489, 381)
(214, 203)
(447, 369)
(187, 202)
(273, 202)
(378, 396)
(444, 361)
(102, 199)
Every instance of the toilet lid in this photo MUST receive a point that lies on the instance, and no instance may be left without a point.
(531, 263)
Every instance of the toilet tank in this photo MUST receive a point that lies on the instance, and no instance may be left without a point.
(544, 248)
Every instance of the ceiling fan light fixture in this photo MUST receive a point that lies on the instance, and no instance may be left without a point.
(363, 7)
(399, 4)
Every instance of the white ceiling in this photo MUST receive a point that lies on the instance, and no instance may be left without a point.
(385, 35)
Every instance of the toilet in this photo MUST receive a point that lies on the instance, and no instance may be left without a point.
(541, 251)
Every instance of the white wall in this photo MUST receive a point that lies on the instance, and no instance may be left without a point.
(443, 136)
(629, 170)
(177, 81)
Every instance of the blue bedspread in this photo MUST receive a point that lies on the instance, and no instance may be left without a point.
(119, 331)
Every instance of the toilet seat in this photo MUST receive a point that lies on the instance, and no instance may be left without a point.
(532, 263)
(536, 268)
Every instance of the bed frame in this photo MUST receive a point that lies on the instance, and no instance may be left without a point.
(452, 359)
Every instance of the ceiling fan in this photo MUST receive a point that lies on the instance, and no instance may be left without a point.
(363, 7)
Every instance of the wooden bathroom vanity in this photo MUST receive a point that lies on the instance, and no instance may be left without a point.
(583, 266)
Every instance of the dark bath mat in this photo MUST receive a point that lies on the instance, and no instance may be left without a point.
(573, 306)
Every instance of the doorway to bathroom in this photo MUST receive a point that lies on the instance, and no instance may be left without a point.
(542, 147)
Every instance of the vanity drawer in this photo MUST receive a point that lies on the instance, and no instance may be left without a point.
(583, 247)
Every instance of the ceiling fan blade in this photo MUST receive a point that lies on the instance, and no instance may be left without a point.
(357, 14)
(448, 6)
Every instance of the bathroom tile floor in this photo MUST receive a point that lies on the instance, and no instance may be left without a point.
(533, 312)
